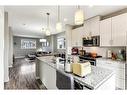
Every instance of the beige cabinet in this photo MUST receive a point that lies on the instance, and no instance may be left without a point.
(105, 32)
(113, 31)
(119, 28)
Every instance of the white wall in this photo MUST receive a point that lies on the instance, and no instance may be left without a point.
(10, 47)
(20, 53)
(68, 39)
(1, 47)
(6, 47)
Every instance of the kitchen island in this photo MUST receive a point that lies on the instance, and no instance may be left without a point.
(99, 78)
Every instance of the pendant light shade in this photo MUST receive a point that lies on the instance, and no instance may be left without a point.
(48, 33)
(79, 16)
(59, 24)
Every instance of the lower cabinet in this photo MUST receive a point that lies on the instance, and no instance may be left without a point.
(46, 74)
(118, 68)
(120, 83)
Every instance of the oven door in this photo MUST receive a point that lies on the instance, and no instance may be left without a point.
(92, 62)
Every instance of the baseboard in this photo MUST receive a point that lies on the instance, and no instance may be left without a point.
(20, 57)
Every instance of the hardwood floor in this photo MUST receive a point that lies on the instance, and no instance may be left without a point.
(22, 76)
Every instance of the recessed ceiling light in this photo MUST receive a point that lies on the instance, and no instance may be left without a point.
(65, 19)
(24, 24)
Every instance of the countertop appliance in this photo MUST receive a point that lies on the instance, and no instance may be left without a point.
(82, 52)
(75, 51)
(81, 69)
(91, 41)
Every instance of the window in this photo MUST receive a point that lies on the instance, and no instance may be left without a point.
(60, 43)
(44, 42)
(28, 44)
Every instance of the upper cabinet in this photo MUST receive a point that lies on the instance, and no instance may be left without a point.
(119, 29)
(91, 26)
(94, 26)
(77, 35)
(105, 32)
(113, 31)
(86, 31)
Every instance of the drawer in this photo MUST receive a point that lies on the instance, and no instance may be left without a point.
(120, 83)
(120, 73)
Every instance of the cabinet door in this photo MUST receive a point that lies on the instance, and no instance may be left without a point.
(119, 28)
(77, 35)
(86, 30)
(95, 26)
(87, 27)
(105, 32)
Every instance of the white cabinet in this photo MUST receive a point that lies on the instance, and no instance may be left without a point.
(77, 35)
(46, 74)
(87, 30)
(120, 83)
(92, 26)
(113, 31)
(95, 22)
(119, 28)
(118, 68)
(105, 32)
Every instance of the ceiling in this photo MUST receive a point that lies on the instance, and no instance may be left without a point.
(31, 21)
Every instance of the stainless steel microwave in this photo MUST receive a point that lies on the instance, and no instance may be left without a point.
(91, 41)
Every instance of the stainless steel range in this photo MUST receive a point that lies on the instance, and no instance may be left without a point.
(89, 58)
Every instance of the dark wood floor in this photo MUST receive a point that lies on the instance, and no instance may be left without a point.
(22, 76)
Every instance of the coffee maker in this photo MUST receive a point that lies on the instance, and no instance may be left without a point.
(74, 51)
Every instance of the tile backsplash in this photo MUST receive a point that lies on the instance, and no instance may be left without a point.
(103, 50)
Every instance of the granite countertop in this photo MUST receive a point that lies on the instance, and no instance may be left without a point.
(108, 59)
(93, 80)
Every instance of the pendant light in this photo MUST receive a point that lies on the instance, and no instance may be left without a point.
(59, 24)
(48, 29)
(79, 16)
